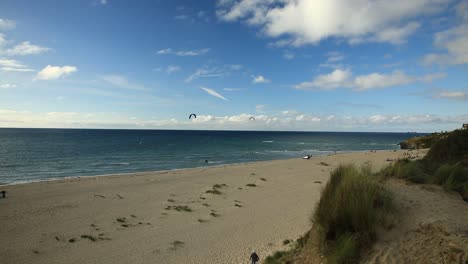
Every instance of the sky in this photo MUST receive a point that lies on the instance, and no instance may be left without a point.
(302, 65)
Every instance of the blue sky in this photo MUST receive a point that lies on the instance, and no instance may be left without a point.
(340, 65)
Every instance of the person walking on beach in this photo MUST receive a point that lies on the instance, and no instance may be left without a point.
(254, 257)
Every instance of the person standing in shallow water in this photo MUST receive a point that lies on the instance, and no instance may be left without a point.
(254, 257)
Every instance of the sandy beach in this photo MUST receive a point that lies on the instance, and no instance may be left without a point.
(168, 216)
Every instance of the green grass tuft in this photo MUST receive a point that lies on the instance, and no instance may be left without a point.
(351, 207)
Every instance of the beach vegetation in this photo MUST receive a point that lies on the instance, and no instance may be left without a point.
(351, 207)
(218, 186)
(176, 244)
(214, 191)
(251, 185)
(445, 164)
(263, 179)
(214, 214)
(179, 208)
(92, 238)
(287, 256)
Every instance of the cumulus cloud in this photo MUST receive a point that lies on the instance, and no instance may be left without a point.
(213, 93)
(333, 80)
(290, 121)
(54, 72)
(183, 53)
(299, 22)
(26, 48)
(454, 40)
(378, 80)
(260, 79)
(340, 78)
(6, 24)
(13, 66)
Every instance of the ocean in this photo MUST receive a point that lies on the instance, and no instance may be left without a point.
(39, 154)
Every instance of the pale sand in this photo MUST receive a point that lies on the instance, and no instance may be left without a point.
(431, 227)
(38, 219)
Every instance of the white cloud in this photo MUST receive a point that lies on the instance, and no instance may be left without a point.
(260, 79)
(232, 89)
(260, 108)
(7, 85)
(122, 82)
(6, 24)
(181, 17)
(453, 40)
(377, 80)
(292, 121)
(455, 95)
(213, 72)
(288, 55)
(54, 72)
(333, 80)
(213, 93)
(13, 66)
(308, 22)
(26, 48)
(172, 68)
(334, 56)
(458, 95)
(395, 35)
(183, 53)
(344, 79)
(205, 73)
(3, 41)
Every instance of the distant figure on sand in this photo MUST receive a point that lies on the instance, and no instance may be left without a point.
(306, 157)
(3, 194)
(254, 257)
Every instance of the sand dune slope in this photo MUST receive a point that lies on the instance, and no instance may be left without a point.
(432, 227)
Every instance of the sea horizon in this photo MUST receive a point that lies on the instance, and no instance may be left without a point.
(37, 154)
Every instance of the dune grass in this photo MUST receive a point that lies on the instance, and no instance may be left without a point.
(445, 164)
(351, 207)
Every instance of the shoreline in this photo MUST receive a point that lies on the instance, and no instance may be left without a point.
(68, 178)
(169, 216)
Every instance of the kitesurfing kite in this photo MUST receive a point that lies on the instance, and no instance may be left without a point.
(192, 115)
(252, 118)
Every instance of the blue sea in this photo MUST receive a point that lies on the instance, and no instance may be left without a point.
(38, 154)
